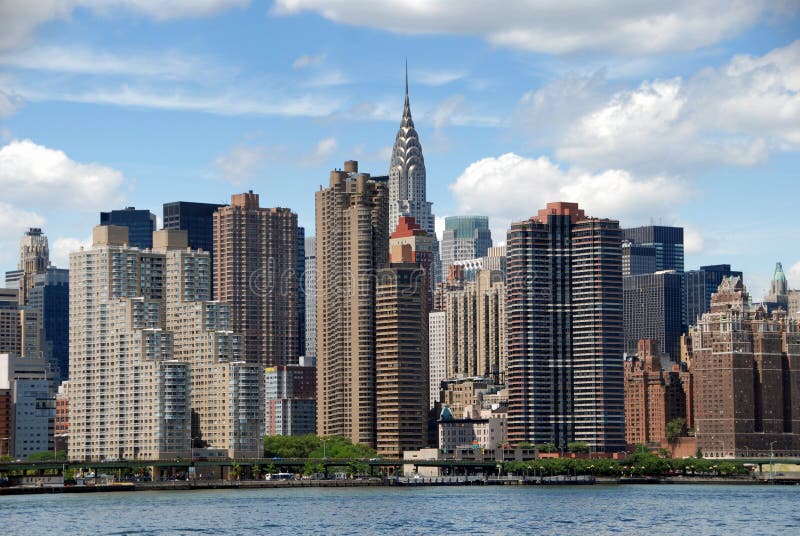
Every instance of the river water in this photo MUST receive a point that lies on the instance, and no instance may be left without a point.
(596, 510)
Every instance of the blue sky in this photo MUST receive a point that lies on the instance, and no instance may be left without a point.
(686, 114)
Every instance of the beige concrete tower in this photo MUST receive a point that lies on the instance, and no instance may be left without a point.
(226, 392)
(255, 264)
(129, 398)
(352, 245)
(476, 327)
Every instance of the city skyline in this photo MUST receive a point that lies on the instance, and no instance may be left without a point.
(678, 131)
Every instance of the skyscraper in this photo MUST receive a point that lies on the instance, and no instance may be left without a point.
(653, 306)
(437, 354)
(464, 237)
(197, 219)
(352, 245)
(34, 258)
(310, 286)
(778, 296)
(700, 285)
(401, 355)
(746, 367)
(407, 180)
(255, 272)
(667, 241)
(129, 397)
(291, 392)
(476, 328)
(565, 337)
(140, 223)
(49, 297)
(301, 291)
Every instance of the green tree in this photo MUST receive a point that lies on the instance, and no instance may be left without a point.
(47, 456)
(546, 447)
(675, 428)
(236, 471)
(578, 447)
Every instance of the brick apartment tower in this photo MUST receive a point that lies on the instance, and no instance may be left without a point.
(565, 337)
(746, 367)
(352, 245)
(401, 339)
(255, 264)
(653, 396)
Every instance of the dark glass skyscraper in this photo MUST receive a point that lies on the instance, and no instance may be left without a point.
(301, 290)
(565, 335)
(667, 241)
(50, 297)
(653, 309)
(140, 223)
(700, 285)
(197, 219)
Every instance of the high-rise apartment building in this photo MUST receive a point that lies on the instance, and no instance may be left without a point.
(700, 285)
(291, 407)
(129, 396)
(565, 335)
(653, 396)
(255, 272)
(653, 310)
(155, 367)
(746, 366)
(226, 392)
(309, 282)
(301, 291)
(401, 355)
(140, 223)
(352, 246)
(464, 237)
(437, 354)
(476, 328)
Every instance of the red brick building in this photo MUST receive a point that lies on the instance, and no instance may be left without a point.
(653, 396)
(746, 367)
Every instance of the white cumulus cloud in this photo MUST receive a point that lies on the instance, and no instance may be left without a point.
(735, 115)
(35, 175)
(512, 186)
(555, 27)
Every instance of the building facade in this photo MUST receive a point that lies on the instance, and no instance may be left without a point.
(476, 328)
(49, 297)
(653, 396)
(437, 354)
(30, 405)
(20, 326)
(352, 246)
(464, 237)
(401, 356)
(700, 285)
(653, 310)
(310, 286)
(291, 407)
(746, 366)
(565, 330)
(255, 273)
(141, 225)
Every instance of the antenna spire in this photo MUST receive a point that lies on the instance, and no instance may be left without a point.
(406, 77)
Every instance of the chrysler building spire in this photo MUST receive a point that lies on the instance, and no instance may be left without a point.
(407, 174)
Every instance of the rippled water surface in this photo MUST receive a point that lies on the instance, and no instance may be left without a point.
(652, 510)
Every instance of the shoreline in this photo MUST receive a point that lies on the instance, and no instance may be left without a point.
(190, 485)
